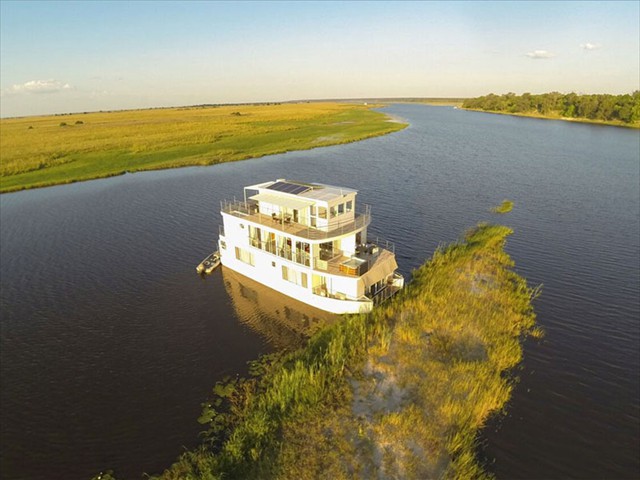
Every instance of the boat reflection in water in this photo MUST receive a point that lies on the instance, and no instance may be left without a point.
(282, 320)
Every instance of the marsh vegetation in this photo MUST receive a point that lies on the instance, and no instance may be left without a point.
(505, 207)
(401, 392)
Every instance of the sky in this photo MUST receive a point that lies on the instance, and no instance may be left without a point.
(62, 57)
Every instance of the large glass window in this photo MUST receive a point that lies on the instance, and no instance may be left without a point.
(294, 276)
(326, 251)
(302, 253)
(244, 256)
(255, 236)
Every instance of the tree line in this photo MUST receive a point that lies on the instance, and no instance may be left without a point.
(624, 108)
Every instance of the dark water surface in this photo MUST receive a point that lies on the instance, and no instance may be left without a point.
(110, 341)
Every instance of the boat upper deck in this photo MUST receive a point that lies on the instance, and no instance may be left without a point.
(286, 223)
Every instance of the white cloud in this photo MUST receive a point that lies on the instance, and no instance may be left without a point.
(40, 86)
(540, 54)
(590, 46)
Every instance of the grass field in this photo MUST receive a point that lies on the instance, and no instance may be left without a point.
(51, 150)
(398, 393)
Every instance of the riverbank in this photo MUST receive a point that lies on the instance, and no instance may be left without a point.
(402, 391)
(438, 102)
(59, 149)
(558, 117)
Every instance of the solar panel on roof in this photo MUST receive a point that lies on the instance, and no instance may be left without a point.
(287, 187)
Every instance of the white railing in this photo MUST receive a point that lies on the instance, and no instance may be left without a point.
(287, 253)
(334, 229)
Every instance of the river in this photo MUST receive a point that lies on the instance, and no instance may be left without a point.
(110, 341)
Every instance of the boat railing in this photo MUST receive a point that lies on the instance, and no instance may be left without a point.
(286, 252)
(238, 207)
(388, 289)
(322, 291)
(352, 264)
(251, 211)
(376, 245)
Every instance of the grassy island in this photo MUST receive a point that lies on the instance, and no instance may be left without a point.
(400, 392)
(505, 207)
(57, 149)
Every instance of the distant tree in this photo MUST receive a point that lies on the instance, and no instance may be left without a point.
(635, 108)
(605, 107)
(523, 103)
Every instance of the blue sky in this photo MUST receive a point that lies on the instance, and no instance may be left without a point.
(60, 57)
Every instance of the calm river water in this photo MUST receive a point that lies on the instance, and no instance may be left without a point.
(110, 341)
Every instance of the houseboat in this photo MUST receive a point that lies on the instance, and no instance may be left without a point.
(308, 241)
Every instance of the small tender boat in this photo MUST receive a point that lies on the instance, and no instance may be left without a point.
(209, 264)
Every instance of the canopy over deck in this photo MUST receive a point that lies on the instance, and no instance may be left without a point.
(295, 203)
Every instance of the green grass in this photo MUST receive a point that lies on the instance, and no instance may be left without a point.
(401, 392)
(505, 207)
(39, 151)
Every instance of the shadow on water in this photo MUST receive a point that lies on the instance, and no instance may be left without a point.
(283, 321)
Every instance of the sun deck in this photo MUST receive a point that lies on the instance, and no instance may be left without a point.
(337, 263)
(284, 223)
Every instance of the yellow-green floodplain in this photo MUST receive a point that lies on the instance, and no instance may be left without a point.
(56, 149)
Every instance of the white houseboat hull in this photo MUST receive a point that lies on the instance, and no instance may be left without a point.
(271, 280)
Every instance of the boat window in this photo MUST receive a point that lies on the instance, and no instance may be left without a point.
(244, 256)
(326, 251)
(349, 205)
(341, 209)
(294, 276)
(322, 212)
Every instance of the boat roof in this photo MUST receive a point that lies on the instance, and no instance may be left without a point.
(313, 191)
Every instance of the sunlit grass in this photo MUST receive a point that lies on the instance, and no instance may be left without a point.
(398, 393)
(40, 151)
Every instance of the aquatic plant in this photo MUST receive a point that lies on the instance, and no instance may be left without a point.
(505, 207)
